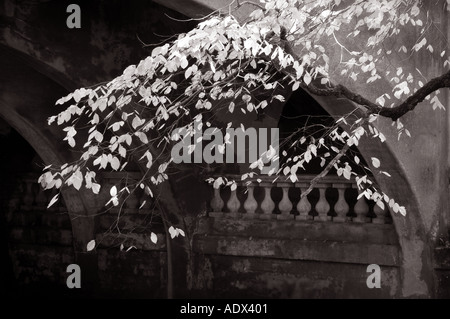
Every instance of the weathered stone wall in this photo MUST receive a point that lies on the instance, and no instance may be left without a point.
(40, 243)
(289, 259)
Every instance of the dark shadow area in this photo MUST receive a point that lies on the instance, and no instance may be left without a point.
(15, 160)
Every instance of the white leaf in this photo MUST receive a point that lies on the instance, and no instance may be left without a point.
(293, 178)
(90, 245)
(115, 163)
(95, 188)
(142, 136)
(113, 191)
(231, 107)
(380, 204)
(129, 248)
(346, 173)
(153, 238)
(375, 162)
(385, 173)
(395, 208)
(184, 63)
(172, 232)
(307, 78)
(218, 182)
(53, 200)
(137, 122)
(188, 72)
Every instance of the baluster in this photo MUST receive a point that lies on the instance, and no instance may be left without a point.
(303, 206)
(216, 204)
(322, 206)
(341, 207)
(233, 204)
(28, 197)
(380, 213)
(285, 204)
(361, 209)
(267, 205)
(250, 203)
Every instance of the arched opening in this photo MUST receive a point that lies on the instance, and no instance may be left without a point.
(35, 241)
(14, 162)
(410, 229)
(303, 121)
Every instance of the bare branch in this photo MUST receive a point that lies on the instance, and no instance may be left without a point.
(393, 113)
(325, 171)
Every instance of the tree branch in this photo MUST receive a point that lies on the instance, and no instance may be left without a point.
(325, 171)
(393, 113)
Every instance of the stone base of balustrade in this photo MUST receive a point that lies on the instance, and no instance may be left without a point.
(339, 219)
(303, 217)
(379, 220)
(234, 215)
(250, 216)
(361, 219)
(215, 214)
(285, 217)
(322, 218)
(267, 216)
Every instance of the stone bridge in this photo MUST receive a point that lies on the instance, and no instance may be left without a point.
(42, 60)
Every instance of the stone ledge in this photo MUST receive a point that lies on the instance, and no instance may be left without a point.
(383, 234)
(297, 249)
(139, 241)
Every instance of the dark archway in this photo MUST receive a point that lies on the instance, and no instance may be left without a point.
(302, 116)
(36, 243)
(15, 161)
(416, 253)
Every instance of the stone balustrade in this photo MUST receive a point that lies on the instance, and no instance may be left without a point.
(333, 199)
(30, 195)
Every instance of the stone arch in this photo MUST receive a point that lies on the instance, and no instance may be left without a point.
(416, 265)
(416, 268)
(416, 256)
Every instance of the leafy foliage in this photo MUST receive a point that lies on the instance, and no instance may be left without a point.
(241, 68)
